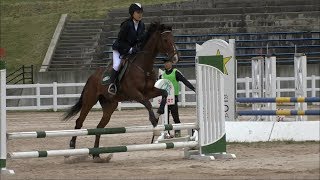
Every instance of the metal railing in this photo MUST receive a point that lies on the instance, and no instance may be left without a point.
(23, 75)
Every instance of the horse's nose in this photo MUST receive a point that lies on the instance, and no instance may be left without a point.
(175, 59)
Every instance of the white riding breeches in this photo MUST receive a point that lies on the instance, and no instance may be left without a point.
(116, 60)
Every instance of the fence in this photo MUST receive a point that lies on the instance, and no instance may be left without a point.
(313, 87)
(57, 96)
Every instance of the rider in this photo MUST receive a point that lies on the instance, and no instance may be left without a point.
(131, 34)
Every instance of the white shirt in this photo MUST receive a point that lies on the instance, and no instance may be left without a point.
(136, 23)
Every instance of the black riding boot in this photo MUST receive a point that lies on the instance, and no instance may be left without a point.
(112, 87)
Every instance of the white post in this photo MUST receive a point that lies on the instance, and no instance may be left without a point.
(38, 96)
(270, 83)
(231, 79)
(257, 82)
(278, 87)
(247, 87)
(313, 88)
(55, 96)
(300, 74)
(3, 122)
(183, 94)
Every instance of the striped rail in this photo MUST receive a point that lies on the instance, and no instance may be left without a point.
(96, 151)
(97, 131)
(279, 100)
(286, 112)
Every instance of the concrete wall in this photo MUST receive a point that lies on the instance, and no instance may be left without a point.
(272, 131)
(62, 76)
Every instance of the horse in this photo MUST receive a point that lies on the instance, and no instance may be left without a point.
(137, 83)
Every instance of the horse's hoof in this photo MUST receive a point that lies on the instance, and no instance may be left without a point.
(98, 159)
(154, 123)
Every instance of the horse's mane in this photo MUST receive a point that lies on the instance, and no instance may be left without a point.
(152, 28)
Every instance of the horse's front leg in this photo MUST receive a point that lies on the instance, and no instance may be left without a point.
(157, 92)
(152, 117)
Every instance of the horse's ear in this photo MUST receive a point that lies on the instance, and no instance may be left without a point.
(153, 27)
(162, 27)
(167, 28)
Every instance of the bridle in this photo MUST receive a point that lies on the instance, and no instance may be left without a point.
(174, 52)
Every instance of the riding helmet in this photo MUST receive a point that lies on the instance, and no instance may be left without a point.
(135, 7)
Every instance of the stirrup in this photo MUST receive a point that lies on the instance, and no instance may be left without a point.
(112, 91)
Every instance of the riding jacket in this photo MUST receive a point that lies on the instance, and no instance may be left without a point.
(129, 37)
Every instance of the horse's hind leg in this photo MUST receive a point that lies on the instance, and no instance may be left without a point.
(108, 109)
(88, 103)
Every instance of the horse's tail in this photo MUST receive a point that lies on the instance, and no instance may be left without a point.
(74, 109)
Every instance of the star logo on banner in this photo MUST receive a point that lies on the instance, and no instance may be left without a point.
(225, 61)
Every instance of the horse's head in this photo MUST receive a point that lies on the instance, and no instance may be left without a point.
(166, 44)
(161, 39)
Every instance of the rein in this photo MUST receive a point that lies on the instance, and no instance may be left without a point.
(173, 53)
(131, 61)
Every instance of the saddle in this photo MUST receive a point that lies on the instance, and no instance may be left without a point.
(123, 67)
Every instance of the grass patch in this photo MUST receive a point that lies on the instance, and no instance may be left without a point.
(27, 26)
(26, 39)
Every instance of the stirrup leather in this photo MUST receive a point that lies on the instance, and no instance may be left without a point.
(112, 91)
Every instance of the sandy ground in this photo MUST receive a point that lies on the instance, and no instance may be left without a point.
(277, 160)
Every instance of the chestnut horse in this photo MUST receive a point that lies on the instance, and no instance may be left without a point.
(137, 83)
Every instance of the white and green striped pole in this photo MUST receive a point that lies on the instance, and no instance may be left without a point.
(3, 121)
(101, 150)
(100, 131)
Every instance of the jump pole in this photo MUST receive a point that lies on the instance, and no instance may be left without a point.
(96, 151)
(268, 65)
(100, 131)
(279, 100)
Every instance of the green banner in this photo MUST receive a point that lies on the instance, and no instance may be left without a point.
(215, 61)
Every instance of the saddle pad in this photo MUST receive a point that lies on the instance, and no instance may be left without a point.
(107, 74)
(106, 77)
